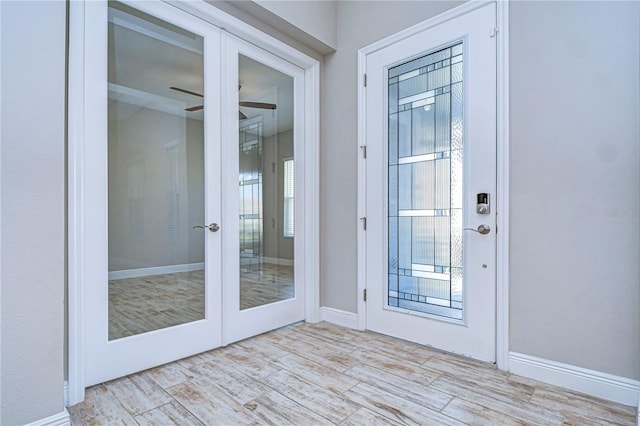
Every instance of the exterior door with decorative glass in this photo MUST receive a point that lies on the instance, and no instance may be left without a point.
(430, 184)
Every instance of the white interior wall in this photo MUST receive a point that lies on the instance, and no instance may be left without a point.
(32, 227)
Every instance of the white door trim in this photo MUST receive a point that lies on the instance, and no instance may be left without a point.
(502, 202)
(502, 188)
(75, 199)
(78, 229)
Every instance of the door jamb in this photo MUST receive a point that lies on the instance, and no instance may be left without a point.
(502, 164)
(76, 222)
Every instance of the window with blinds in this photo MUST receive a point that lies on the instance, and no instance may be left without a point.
(288, 198)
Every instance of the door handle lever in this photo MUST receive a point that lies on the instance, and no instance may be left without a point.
(213, 227)
(482, 229)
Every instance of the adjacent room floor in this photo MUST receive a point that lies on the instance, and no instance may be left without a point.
(141, 304)
(324, 374)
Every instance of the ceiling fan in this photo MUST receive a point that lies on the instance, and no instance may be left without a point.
(260, 105)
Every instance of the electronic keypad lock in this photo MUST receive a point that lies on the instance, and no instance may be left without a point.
(482, 203)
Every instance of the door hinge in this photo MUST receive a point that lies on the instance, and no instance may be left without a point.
(364, 295)
(493, 31)
(364, 80)
(364, 223)
(364, 151)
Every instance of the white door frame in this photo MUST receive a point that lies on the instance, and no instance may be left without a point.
(502, 161)
(78, 227)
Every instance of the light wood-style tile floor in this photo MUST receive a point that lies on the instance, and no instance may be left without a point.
(324, 374)
(266, 284)
(141, 304)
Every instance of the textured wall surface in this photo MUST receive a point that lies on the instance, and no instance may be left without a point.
(317, 18)
(575, 194)
(33, 202)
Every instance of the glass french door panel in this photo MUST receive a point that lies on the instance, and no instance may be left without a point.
(425, 184)
(265, 184)
(156, 190)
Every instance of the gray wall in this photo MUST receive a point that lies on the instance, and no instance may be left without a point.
(32, 222)
(575, 184)
(359, 24)
(574, 174)
(318, 18)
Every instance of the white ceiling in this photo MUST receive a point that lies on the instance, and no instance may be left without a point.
(147, 56)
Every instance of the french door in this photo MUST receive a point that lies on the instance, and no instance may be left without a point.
(152, 281)
(263, 276)
(430, 185)
(192, 211)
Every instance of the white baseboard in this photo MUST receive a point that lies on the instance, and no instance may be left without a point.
(271, 260)
(339, 317)
(278, 261)
(60, 419)
(602, 385)
(155, 270)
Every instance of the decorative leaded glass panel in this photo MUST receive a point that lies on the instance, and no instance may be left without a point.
(425, 184)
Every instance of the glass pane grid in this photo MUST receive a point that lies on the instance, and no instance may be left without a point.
(425, 184)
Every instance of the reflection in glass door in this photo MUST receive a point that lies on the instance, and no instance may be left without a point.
(266, 140)
(250, 180)
(264, 254)
(156, 174)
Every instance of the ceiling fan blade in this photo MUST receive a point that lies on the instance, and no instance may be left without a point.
(194, 108)
(260, 105)
(188, 92)
(242, 116)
